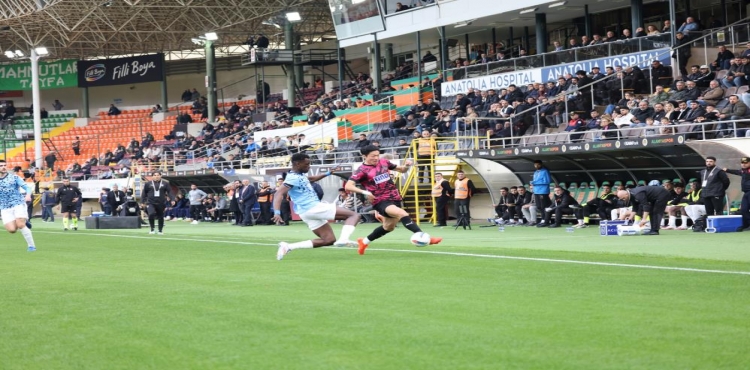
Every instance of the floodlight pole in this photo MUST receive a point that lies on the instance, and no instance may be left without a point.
(37, 108)
(211, 77)
(290, 79)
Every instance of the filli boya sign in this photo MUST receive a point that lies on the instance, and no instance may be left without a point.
(105, 72)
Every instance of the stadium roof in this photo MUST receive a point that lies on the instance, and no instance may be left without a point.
(102, 28)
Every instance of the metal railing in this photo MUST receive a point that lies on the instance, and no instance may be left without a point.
(565, 56)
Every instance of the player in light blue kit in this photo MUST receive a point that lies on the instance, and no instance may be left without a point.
(13, 207)
(311, 210)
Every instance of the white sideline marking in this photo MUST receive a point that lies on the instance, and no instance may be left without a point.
(457, 254)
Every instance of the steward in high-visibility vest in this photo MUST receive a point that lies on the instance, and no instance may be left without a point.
(441, 192)
(265, 200)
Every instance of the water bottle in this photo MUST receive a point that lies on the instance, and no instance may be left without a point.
(501, 229)
(569, 229)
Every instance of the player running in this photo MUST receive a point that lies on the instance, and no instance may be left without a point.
(311, 210)
(375, 176)
(67, 197)
(13, 209)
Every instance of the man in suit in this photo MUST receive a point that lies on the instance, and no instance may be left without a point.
(234, 203)
(248, 198)
(116, 198)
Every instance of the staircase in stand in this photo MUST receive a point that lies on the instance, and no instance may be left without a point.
(416, 189)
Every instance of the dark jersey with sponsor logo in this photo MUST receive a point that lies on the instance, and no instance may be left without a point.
(377, 180)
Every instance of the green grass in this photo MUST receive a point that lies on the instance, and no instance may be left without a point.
(214, 297)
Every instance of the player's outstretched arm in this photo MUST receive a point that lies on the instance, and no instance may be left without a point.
(407, 164)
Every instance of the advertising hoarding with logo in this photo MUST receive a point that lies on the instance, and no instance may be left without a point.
(106, 72)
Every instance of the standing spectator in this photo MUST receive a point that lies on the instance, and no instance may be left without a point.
(714, 182)
(10, 111)
(196, 197)
(441, 192)
(541, 182)
(247, 201)
(265, 200)
(744, 172)
(57, 105)
(104, 202)
(682, 52)
(463, 191)
(186, 95)
(48, 201)
(426, 148)
(50, 159)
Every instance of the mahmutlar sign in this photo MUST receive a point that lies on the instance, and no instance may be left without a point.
(52, 75)
(592, 146)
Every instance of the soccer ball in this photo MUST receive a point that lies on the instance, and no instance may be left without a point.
(420, 239)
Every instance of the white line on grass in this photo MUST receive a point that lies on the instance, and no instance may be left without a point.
(457, 254)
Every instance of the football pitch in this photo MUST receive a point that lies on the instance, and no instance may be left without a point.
(213, 296)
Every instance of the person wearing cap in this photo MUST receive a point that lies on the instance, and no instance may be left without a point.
(714, 182)
(744, 173)
(706, 76)
(649, 203)
(603, 204)
(677, 204)
(541, 181)
(722, 59)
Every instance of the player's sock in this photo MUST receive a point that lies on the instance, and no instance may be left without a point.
(75, 221)
(301, 245)
(683, 220)
(672, 221)
(410, 225)
(27, 235)
(346, 232)
(65, 222)
(377, 233)
(586, 220)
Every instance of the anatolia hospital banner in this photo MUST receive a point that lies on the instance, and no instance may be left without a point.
(526, 76)
(52, 75)
(121, 71)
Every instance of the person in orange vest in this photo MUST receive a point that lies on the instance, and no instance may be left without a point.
(441, 191)
(463, 191)
(265, 199)
(425, 150)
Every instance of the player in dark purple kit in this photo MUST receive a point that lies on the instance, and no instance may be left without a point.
(375, 176)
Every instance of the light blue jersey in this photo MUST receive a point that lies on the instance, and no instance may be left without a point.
(10, 196)
(301, 191)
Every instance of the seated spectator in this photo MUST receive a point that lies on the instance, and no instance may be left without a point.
(623, 119)
(113, 111)
(575, 125)
(713, 95)
(735, 66)
(723, 59)
(651, 127)
(643, 112)
(659, 96)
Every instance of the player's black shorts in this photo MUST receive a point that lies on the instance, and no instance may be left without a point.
(381, 206)
(67, 207)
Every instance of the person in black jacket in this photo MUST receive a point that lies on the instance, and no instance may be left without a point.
(442, 192)
(116, 198)
(744, 172)
(682, 52)
(561, 204)
(67, 197)
(714, 182)
(247, 200)
(154, 196)
(649, 202)
(601, 204)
